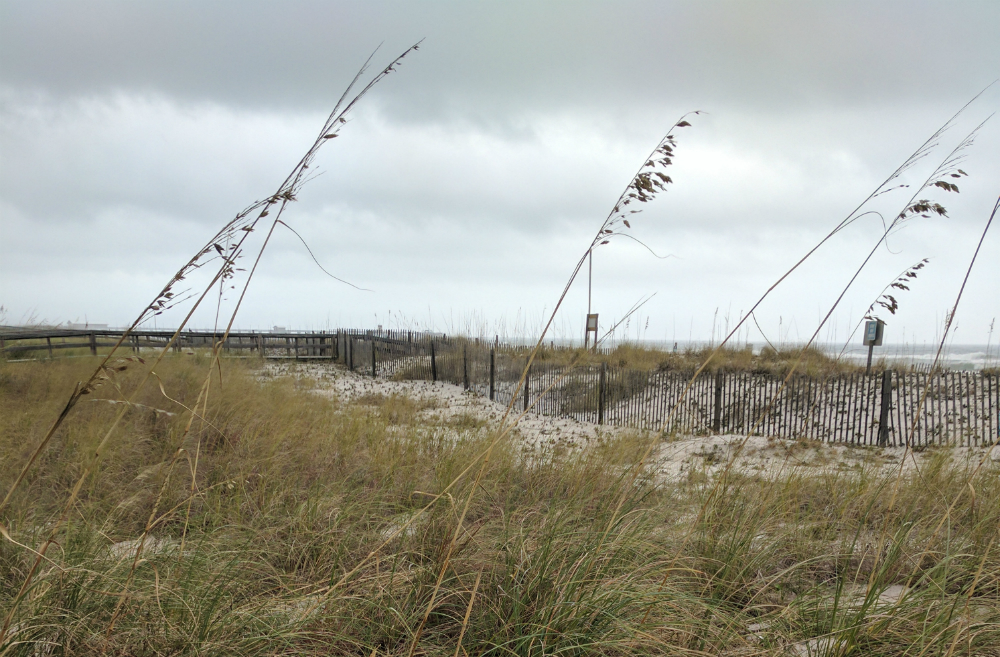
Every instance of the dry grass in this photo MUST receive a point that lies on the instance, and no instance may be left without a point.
(294, 490)
(640, 357)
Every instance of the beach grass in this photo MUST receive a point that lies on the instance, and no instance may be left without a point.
(257, 528)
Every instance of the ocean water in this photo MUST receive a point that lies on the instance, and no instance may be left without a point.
(953, 356)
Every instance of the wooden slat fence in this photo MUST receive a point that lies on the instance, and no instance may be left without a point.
(879, 409)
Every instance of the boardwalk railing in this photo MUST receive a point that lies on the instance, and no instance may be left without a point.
(17, 344)
(961, 408)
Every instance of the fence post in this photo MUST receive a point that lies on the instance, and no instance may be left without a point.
(93, 344)
(434, 368)
(717, 410)
(374, 372)
(493, 369)
(601, 383)
(465, 367)
(883, 420)
(3, 348)
(527, 387)
(350, 353)
(48, 341)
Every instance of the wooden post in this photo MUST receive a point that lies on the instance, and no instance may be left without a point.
(994, 414)
(3, 348)
(350, 353)
(493, 369)
(465, 368)
(374, 371)
(717, 410)
(48, 341)
(93, 344)
(883, 422)
(992, 437)
(527, 387)
(434, 369)
(601, 384)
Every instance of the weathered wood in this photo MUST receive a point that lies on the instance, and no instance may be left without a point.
(717, 406)
(883, 423)
(434, 369)
(493, 373)
(527, 387)
(601, 383)
(465, 368)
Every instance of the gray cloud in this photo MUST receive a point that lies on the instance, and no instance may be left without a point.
(470, 181)
(509, 55)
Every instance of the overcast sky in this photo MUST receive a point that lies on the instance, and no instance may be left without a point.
(468, 183)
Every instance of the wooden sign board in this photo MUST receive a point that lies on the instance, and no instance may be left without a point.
(591, 328)
(873, 333)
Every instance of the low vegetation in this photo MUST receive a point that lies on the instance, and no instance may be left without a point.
(288, 523)
(770, 360)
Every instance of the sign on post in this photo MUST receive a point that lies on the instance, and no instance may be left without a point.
(591, 328)
(873, 333)
(873, 338)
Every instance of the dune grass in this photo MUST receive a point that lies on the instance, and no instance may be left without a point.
(293, 489)
(637, 356)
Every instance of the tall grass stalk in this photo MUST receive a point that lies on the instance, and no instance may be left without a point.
(226, 246)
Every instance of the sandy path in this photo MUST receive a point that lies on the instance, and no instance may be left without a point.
(448, 401)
